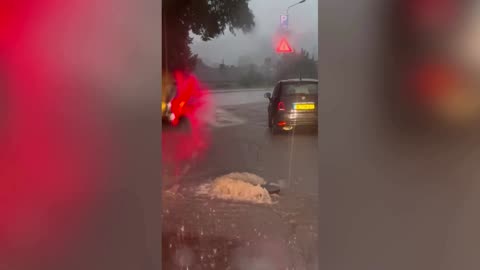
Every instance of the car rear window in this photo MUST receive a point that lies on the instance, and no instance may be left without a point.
(300, 88)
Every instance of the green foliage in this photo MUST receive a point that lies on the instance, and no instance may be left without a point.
(206, 18)
(296, 65)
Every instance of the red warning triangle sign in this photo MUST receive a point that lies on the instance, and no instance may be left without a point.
(284, 47)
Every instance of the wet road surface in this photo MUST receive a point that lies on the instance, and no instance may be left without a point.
(222, 98)
(211, 234)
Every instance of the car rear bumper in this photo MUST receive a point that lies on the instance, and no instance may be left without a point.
(297, 119)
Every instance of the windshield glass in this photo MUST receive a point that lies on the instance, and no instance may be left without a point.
(300, 88)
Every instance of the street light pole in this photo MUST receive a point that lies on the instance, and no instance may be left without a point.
(303, 1)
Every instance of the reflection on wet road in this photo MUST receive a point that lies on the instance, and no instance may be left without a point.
(239, 98)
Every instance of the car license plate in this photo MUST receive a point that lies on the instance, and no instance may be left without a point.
(304, 106)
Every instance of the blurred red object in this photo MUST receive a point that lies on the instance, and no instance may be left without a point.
(432, 12)
(433, 81)
(53, 147)
(180, 146)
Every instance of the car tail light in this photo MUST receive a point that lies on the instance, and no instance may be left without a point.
(282, 123)
(281, 106)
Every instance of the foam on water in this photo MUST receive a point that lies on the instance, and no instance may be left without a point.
(242, 187)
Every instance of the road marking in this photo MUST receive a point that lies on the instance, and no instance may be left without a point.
(223, 118)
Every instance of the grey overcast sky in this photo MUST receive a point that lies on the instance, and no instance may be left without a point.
(303, 23)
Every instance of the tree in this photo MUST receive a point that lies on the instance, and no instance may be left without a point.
(267, 62)
(222, 66)
(245, 61)
(267, 70)
(296, 65)
(252, 77)
(206, 18)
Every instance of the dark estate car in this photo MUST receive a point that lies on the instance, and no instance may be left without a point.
(293, 104)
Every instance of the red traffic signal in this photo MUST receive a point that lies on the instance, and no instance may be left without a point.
(284, 47)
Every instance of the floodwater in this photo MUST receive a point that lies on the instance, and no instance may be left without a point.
(239, 98)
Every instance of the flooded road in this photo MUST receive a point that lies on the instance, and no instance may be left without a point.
(204, 233)
(255, 95)
(214, 234)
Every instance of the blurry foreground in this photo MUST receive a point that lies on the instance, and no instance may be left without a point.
(70, 73)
